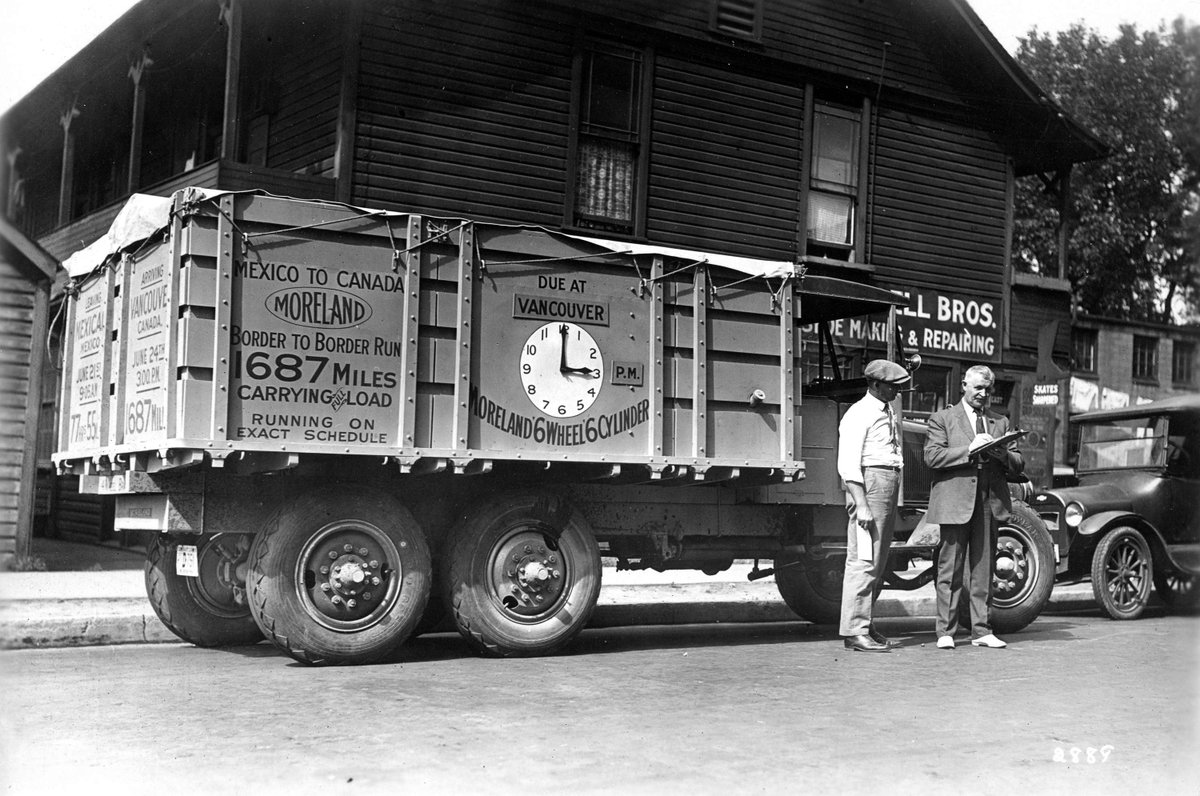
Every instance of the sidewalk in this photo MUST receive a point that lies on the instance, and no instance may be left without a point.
(104, 600)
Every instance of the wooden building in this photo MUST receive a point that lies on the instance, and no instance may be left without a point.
(26, 273)
(872, 140)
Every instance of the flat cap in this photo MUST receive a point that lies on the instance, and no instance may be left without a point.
(887, 371)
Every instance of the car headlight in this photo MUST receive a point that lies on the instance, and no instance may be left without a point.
(1073, 515)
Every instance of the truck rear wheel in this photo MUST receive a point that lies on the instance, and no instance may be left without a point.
(812, 586)
(1023, 573)
(209, 610)
(339, 577)
(522, 575)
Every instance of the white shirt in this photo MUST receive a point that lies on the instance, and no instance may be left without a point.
(868, 436)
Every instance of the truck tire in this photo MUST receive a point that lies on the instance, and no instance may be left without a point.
(812, 586)
(1121, 573)
(1023, 576)
(522, 575)
(209, 610)
(339, 576)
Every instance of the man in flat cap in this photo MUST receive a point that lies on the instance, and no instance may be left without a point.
(869, 462)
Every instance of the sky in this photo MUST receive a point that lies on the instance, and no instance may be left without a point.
(37, 36)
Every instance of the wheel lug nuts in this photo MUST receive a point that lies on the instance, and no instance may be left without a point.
(362, 551)
(375, 581)
(528, 549)
(366, 595)
(553, 559)
(374, 564)
(332, 555)
(349, 548)
(324, 570)
(351, 603)
(335, 600)
(325, 587)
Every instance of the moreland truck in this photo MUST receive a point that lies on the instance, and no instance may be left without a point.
(344, 424)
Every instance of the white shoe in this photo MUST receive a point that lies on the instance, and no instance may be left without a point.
(945, 642)
(988, 641)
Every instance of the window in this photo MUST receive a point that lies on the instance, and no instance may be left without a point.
(1083, 350)
(608, 144)
(833, 181)
(1183, 357)
(740, 18)
(1145, 358)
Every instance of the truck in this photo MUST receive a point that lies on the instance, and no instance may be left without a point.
(343, 426)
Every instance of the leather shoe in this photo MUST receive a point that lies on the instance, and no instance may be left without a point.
(879, 638)
(865, 644)
(945, 642)
(988, 641)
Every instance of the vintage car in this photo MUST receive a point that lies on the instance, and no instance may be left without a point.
(1134, 518)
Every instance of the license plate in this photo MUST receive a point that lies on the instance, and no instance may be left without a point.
(187, 564)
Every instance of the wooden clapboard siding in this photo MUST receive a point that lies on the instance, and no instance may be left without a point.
(464, 113)
(938, 205)
(1031, 309)
(17, 299)
(303, 131)
(724, 160)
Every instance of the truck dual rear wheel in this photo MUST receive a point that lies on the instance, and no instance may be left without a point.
(339, 576)
(208, 610)
(1178, 590)
(1023, 571)
(522, 575)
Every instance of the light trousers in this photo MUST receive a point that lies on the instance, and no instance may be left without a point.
(863, 579)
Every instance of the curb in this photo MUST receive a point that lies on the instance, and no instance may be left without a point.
(90, 621)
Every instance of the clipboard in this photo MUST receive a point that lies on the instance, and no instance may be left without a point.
(1000, 441)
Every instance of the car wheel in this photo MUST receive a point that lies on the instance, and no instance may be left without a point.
(1178, 590)
(812, 586)
(1121, 578)
(1023, 570)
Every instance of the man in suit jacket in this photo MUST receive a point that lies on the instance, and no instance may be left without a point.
(969, 494)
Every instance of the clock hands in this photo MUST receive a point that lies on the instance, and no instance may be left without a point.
(562, 362)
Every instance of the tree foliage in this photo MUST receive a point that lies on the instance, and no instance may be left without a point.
(1134, 250)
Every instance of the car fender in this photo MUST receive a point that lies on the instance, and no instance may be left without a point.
(1104, 521)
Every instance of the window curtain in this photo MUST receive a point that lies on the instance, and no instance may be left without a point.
(604, 181)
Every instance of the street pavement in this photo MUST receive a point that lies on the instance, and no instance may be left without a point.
(104, 602)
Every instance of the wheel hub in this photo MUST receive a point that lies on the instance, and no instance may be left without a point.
(527, 574)
(1011, 571)
(347, 580)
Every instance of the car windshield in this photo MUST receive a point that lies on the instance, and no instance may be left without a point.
(1120, 444)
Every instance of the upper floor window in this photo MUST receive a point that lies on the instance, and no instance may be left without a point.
(1145, 358)
(833, 184)
(608, 146)
(1183, 358)
(1083, 350)
(739, 18)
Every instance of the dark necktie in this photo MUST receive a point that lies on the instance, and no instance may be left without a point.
(980, 428)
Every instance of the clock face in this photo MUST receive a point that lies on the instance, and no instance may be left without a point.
(562, 369)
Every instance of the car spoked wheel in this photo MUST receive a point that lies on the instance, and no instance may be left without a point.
(1023, 570)
(523, 575)
(1177, 589)
(339, 577)
(208, 609)
(1121, 578)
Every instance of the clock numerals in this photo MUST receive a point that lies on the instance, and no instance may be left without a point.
(562, 380)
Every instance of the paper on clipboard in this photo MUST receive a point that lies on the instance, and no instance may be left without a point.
(1001, 441)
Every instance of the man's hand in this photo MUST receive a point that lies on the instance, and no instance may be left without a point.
(977, 443)
(863, 516)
